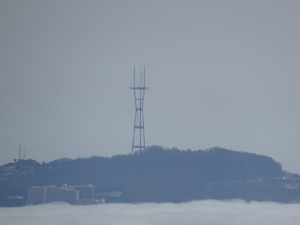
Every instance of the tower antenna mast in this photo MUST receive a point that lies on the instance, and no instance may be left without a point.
(139, 88)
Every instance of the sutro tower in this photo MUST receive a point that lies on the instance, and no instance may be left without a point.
(139, 88)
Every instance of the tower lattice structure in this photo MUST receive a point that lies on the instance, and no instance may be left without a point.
(139, 88)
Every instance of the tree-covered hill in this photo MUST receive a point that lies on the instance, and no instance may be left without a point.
(164, 175)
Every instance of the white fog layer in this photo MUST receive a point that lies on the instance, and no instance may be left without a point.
(200, 212)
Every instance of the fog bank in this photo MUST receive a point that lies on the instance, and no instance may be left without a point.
(200, 212)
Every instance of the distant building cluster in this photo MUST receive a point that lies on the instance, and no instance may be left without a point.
(73, 194)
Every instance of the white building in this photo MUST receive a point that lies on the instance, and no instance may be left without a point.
(36, 195)
(51, 193)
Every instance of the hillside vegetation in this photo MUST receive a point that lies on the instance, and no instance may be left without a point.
(165, 175)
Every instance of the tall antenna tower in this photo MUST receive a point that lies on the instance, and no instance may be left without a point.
(139, 88)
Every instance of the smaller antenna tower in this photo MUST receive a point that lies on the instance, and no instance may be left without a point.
(139, 88)
(20, 152)
(24, 153)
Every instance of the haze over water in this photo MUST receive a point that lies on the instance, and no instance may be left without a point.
(200, 212)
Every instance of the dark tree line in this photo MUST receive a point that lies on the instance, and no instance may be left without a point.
(159, 175)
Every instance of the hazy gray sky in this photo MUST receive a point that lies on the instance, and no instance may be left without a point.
(192, 213)
(221, 73)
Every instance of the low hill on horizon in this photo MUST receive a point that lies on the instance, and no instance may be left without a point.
(157, 174)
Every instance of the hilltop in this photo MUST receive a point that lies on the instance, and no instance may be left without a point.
(157, 174)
